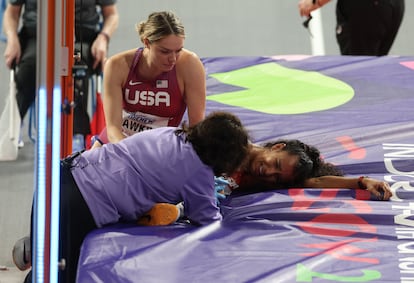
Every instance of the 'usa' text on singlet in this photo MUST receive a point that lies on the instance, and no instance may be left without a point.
(148, 98)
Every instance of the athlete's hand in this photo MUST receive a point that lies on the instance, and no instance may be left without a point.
(380, 189)
(99, 50)
(12, 52)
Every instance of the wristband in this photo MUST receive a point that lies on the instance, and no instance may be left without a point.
(106, 36)
(360, 184)
(96, 139)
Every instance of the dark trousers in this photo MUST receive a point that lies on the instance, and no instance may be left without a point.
(25, 77)
(76, 222)
(25, 74)
(81, 121)
(368, 27)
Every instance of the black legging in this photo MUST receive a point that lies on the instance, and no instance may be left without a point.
(368, 27)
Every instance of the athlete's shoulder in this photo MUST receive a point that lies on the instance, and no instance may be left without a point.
(188, 55)
(189, 62)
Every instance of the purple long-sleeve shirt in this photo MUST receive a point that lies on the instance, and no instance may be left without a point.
(121, 181)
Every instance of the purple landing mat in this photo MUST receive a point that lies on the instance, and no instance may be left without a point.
(359, 112)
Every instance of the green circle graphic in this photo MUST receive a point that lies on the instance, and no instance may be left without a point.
(274, 89)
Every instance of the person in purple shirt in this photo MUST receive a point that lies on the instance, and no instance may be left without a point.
(119, 182)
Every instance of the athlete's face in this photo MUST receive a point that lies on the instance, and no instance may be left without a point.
(272, 166)
(165, 52)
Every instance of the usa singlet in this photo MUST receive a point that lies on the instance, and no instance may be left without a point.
(151, 104)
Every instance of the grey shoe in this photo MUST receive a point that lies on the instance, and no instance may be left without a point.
(22, 255)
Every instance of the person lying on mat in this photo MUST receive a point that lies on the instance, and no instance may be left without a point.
(277, 165)
(154, 85)
(292, 163)
(120, 181)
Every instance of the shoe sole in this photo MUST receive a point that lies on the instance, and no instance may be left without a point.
(161, 214)
(21, 252)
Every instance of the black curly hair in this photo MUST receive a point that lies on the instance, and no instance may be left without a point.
(310, 163)
(220, 141)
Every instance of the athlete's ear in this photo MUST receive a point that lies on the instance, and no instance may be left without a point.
(146, 43)
(278, 146)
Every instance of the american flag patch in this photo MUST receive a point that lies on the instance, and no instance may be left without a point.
(162, 84)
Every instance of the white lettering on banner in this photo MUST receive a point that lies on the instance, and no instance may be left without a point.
(148, 98)
(406, 248)
(405, 150)
(390, 167)
(406, 266)
(405, 232)
(405, 218)
(398, 152)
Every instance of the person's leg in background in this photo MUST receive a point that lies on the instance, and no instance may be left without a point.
(394, 11)
(25, 74)
(354, 33)
(363, 27)
(81, 120)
